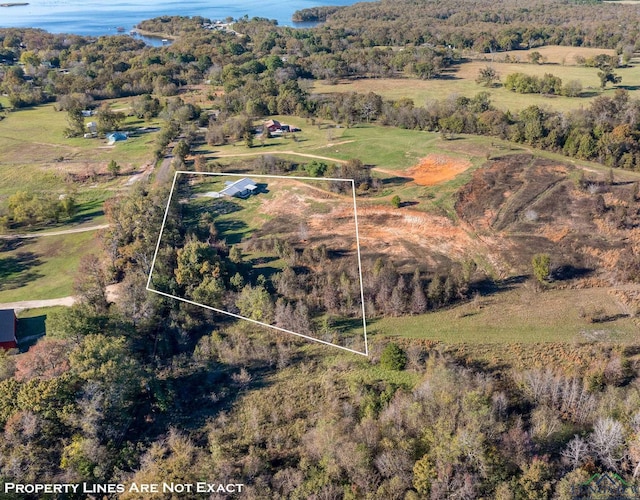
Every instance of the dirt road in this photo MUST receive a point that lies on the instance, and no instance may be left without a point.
(112, 295)
(54, 233)
(305, 155)
(33, 304)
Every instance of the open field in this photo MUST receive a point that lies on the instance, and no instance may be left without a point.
(42, 268)
(552, 54)
(518, 315)
(384, 147)
(460, 80)
(36, 155)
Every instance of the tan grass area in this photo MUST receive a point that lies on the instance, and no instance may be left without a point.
(554, 54)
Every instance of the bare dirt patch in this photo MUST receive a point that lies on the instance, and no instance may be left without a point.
(408, 236)
(435, 169)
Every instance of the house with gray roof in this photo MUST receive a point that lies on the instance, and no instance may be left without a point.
(242, 188)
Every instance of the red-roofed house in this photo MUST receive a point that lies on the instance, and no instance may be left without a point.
(272, 125)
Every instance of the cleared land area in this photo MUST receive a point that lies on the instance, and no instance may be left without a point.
(461, 80)
(552, 54)
(37, 158)
(42, 268)
(521, 315)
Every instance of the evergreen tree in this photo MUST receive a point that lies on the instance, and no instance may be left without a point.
(418, 298)
(435, 291)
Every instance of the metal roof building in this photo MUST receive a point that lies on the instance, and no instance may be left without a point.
(241, 188)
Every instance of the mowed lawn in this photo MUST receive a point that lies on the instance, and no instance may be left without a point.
(384, 147)
(43, 268)
(519, 315)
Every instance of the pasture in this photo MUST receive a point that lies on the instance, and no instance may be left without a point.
(461, 81)
(36, 156)
(519, 315)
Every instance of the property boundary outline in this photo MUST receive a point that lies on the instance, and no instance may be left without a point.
(237, 316)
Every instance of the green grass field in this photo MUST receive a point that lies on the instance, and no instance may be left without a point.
(35, 155)
(43, 268)
(519, 315)
(32, 324)
(385, 147)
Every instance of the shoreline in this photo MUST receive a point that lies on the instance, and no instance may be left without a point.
(153, 34)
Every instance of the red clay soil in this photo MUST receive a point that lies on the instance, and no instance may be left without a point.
(435, 169)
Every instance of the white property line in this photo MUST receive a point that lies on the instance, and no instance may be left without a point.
(164, 220)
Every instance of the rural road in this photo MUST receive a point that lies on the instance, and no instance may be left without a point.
(33, 304)
(54, 233)
(112, 294)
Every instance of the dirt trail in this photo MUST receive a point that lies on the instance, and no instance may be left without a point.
(306, 155)
(112, 295)
(54, 233)
(34, 304)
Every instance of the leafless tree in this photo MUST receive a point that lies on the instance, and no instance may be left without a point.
(576, 451)
(607, 442)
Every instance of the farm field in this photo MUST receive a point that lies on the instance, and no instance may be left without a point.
(374, 145)
(460, 80)
(552, 54)
(37, 157)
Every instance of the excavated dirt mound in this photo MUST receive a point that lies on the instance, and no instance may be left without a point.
(435, 169)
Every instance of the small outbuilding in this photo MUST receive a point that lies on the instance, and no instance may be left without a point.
(92, 128)
(114, 137)
(8, 328)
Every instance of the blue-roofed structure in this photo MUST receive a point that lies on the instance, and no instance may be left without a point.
(116, 136)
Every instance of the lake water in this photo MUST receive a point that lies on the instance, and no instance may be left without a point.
(102, 17)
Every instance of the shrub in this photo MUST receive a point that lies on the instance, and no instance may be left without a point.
(393, 357)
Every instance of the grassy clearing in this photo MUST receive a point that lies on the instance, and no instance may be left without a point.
(35, 155)
(519, 315)
(385, 147)
(461, 81)
(43, 268)
(553, 54)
